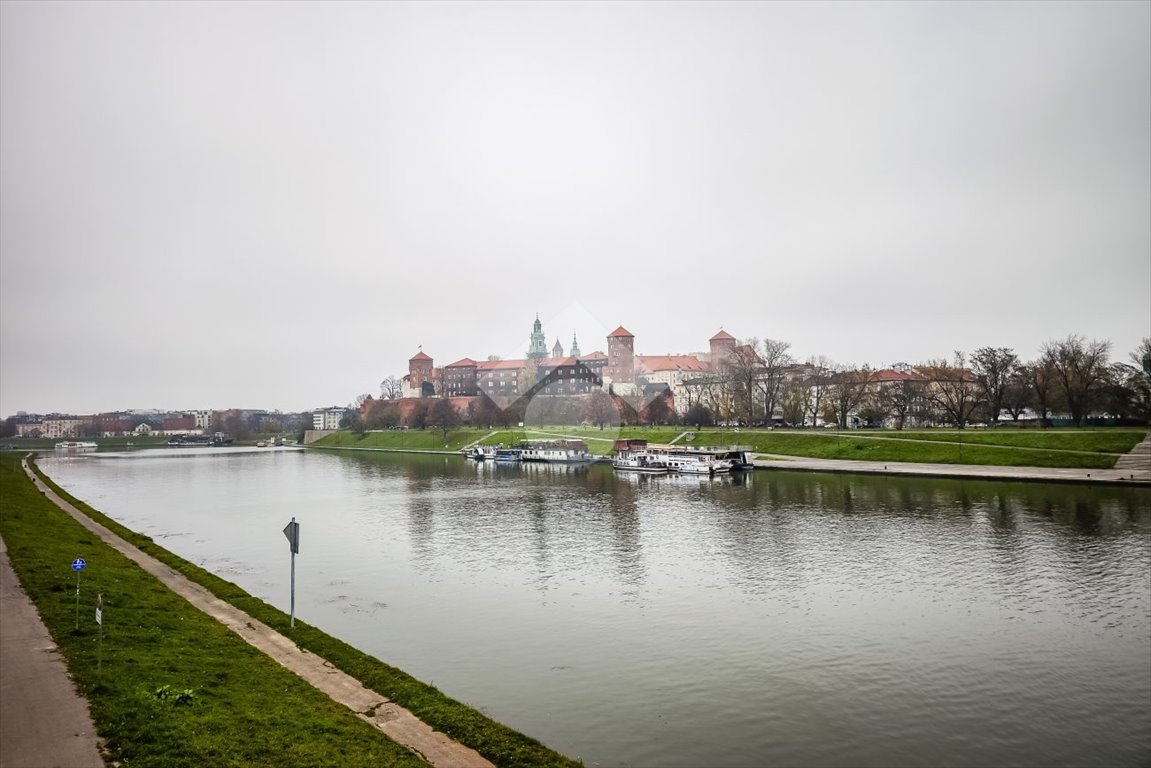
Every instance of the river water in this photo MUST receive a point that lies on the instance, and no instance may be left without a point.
(771, 619)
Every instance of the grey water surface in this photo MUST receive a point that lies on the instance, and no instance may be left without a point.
(767, 619)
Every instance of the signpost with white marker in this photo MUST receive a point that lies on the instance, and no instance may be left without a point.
(100, 621)
(292, 531)
(77, 566)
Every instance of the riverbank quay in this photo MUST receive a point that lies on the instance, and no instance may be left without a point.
(371, 690)
(1132, 476)
(43, 720)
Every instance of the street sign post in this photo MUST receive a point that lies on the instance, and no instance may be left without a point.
(77, 566)
(292, 531)
(100, 621)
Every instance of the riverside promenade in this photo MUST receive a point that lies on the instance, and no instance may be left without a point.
(44, 722)
(1134, 468)
(398, 723)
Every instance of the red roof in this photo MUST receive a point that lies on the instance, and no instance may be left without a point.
(620, 332)
(597, 355)
(654, 363)
(490, 365)
(722, 336)
(462, 363)
(419, 356)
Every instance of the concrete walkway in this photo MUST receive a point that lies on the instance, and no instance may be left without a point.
(398, 723)
(43, 721)
(1133, 468)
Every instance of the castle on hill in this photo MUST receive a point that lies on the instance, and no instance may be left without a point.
(552, 373)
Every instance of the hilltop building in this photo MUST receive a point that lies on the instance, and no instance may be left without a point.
(553, 373)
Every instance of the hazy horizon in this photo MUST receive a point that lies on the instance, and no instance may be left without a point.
(274, 205)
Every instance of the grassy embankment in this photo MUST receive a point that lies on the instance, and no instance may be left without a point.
(179, 689)
(1090, 449)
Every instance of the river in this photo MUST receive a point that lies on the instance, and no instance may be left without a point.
(769, 619)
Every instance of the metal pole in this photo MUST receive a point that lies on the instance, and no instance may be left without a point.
(293, 617)
(100, 645)
(77, 599)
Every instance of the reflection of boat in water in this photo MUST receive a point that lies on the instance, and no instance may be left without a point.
(71, 445)
(185, 441)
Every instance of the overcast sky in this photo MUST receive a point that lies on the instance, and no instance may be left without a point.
(216, 205)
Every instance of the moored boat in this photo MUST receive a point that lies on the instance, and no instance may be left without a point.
(556, 451)
(71, 445)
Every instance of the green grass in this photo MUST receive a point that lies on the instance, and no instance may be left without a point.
(404, 439)
(1094, 441)
(1020, 448)
(500, 744)
(871, 446)
(177, 688)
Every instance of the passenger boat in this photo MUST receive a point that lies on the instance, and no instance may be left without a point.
(69, 445)
(481, 453)
(556, 451)
(641, 462)
(508, 456)
(678, 459)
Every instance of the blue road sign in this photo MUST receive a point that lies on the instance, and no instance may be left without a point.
(78, 564)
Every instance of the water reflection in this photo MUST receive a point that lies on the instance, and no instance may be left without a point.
(771, 618)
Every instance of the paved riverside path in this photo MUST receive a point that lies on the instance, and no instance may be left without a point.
(1136, 471)
(395, 721)
(44, 722)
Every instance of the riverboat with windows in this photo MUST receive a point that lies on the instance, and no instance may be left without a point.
(70, 445)
(556, 451)
(632, 456)
(481, 453)
(681, 459)
(508, 456)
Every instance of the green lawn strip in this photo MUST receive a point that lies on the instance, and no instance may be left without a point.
(177, 688)
(495, 741)
(832, 446)
(1103, 441)
(404, 439)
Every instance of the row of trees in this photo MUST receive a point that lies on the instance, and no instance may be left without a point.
(761, 383)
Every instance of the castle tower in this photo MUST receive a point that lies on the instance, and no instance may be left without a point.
(420, 368)
(539, 343)
(557, 350)
(621, 356)
(722, 345)
(575, 346)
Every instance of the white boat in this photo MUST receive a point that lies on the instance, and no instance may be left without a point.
(482, 453)
(69, 445)
(556, 451)
(508, 456)
(635, 454)
(644, 463)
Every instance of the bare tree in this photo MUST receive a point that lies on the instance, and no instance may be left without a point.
(847, 390)
(443, 416)
(818, 383)
(391, 388)
(904, 399)
(599, 409)
(774, 361)
(953, 389)
(742, 369)
(1018, 394)
(993, 368)
(1141, 357)
(1040, 378)
(1081, 370)
(795, 400)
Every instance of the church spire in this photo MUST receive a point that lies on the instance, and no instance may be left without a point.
(574, 351)
(538, 350)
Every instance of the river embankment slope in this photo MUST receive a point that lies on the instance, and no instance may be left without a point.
(168, 678)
